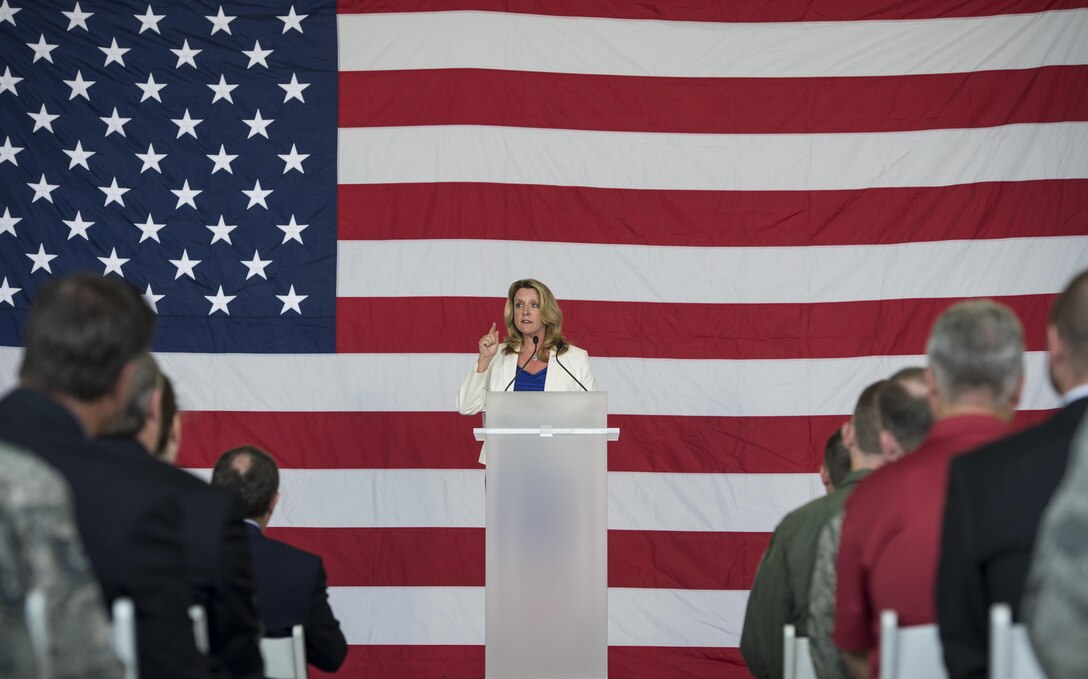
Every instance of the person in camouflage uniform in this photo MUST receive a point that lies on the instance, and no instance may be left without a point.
(40, 550)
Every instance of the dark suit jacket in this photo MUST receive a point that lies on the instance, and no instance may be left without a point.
(996, 498)
(217, 553)
(290, 591)
(132, 533)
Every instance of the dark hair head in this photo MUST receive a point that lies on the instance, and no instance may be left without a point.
(1070, 316)
(252, 474)
(169, 410)
(145, 380)
(81, 331)
(866, 419)
(836, 458)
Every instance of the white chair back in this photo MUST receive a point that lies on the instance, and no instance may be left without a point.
(909, 652)
(38, 630)
(796, 658)
(124, 635)
(200, 627)
(1011, 654)
(285, 657)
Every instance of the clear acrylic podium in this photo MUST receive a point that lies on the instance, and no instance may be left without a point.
(547, 534)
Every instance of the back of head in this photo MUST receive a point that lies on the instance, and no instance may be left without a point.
(1070, 316)
(252, 474)
(146, 379)
(836, 458)
(81, 331)
(904, 408)
(977, 348)
(866, 419)
(169, 412)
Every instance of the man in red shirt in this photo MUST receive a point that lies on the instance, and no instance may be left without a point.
(891, 534)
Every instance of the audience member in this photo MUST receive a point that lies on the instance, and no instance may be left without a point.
(1056, 598)
(780, 593)
(82, 338)
(290, 582)
(903, 406)
(891, 532)
(40, 551)
(216, 547)
(988, 539)
(836, 464)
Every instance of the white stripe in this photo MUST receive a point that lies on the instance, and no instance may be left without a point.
(411, 616)
(429, 382)
(454, 498)
(719, 162)
(710, 275)
(523, 42)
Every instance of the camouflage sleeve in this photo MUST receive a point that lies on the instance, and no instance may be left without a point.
(50, 556)
(1056, 597)
(821, 606)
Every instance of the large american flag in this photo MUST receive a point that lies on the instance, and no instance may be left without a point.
(749, 211)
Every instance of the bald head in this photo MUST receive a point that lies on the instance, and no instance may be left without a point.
(1067, 335)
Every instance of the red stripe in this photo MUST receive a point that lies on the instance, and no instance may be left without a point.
(658, 662)
(404, 557)
(745, 11)
(683, 331)
(709, 445)
(712, 218)
(712, 105)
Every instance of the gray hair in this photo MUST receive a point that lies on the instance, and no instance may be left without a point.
(978, 344)
(146, 378)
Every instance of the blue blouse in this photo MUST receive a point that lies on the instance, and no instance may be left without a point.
(528, 382)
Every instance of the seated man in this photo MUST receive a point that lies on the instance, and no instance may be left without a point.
(290, 582)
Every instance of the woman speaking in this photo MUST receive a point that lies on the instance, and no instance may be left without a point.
(534, 356)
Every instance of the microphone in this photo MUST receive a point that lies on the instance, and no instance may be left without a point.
(520, 368)
(558, 346)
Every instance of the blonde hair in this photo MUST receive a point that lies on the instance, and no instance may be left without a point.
(550, 315)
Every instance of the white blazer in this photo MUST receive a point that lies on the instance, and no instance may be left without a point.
(472, 396)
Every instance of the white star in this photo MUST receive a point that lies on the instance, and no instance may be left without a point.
(7, 152)
(186, 125)
(115, 53)
(293, 160)
(150, 20)
(294, 89)
(113, 263)
(257, 195)
(291, 301)
(292, 231)
(256, 266)
(79, 156)
(78, 17)
(151, 159)
(8, 81)
(149, 229)
(41, 260)
(115, 123)
(184, 265)
(114, 193)
(185, 55)
(222, 89)
(152, 299)
(43, 119)
(7, 293)
(292, 20)
(42, 50)
(7, 223)
(219, 300)
(222, 160)
(8, 13)
(258, 125)
(221, 231)
(43, 189)
(257, 55)
(220, 22)
(78, 227)
(151, 89)
(186, 195)
(79, 87)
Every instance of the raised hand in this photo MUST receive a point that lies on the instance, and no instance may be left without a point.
(489, 346)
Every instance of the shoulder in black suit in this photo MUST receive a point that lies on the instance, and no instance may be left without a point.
(131, 531)
(291, 590)
(217, 554)
(996, 498)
